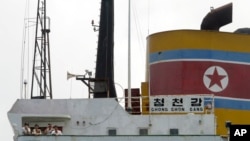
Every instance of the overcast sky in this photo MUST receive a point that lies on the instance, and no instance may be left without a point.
(73, 42)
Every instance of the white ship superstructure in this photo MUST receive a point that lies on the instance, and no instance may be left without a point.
(81, 119)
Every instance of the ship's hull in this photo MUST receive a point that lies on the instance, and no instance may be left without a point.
(121, 138)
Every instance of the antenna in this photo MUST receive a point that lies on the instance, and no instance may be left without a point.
(41, 71)
(95, 27)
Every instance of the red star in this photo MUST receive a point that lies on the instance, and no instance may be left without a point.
(215, 78)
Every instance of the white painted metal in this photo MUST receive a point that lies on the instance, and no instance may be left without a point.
(120, 138)
(96, 116)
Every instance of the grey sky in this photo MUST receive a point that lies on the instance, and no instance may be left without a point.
(73, 42)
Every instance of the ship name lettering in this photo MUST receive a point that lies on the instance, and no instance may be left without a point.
(159, 109)
(178, 109)
(193, 109)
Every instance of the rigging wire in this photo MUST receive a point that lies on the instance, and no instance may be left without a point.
(22, 72)
(138, 29)
(103, 120)
(148, 14)
(22, 62)
(140, 37)
(28, 60)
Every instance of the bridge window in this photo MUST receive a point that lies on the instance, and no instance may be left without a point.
(112, 132)
(143, 131)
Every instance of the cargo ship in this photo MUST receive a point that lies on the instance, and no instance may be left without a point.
(196, 87)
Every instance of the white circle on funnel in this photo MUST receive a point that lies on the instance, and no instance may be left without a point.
(215, 79)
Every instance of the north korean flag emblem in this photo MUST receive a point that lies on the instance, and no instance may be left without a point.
(215, 79)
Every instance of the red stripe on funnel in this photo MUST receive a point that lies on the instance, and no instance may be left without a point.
(186, 77)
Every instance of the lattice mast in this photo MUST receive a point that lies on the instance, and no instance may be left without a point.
(41, 86)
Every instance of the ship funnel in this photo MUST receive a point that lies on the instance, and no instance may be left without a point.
(217, 18)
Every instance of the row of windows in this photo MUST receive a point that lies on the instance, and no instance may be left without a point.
(112, 132)
(144, 131)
